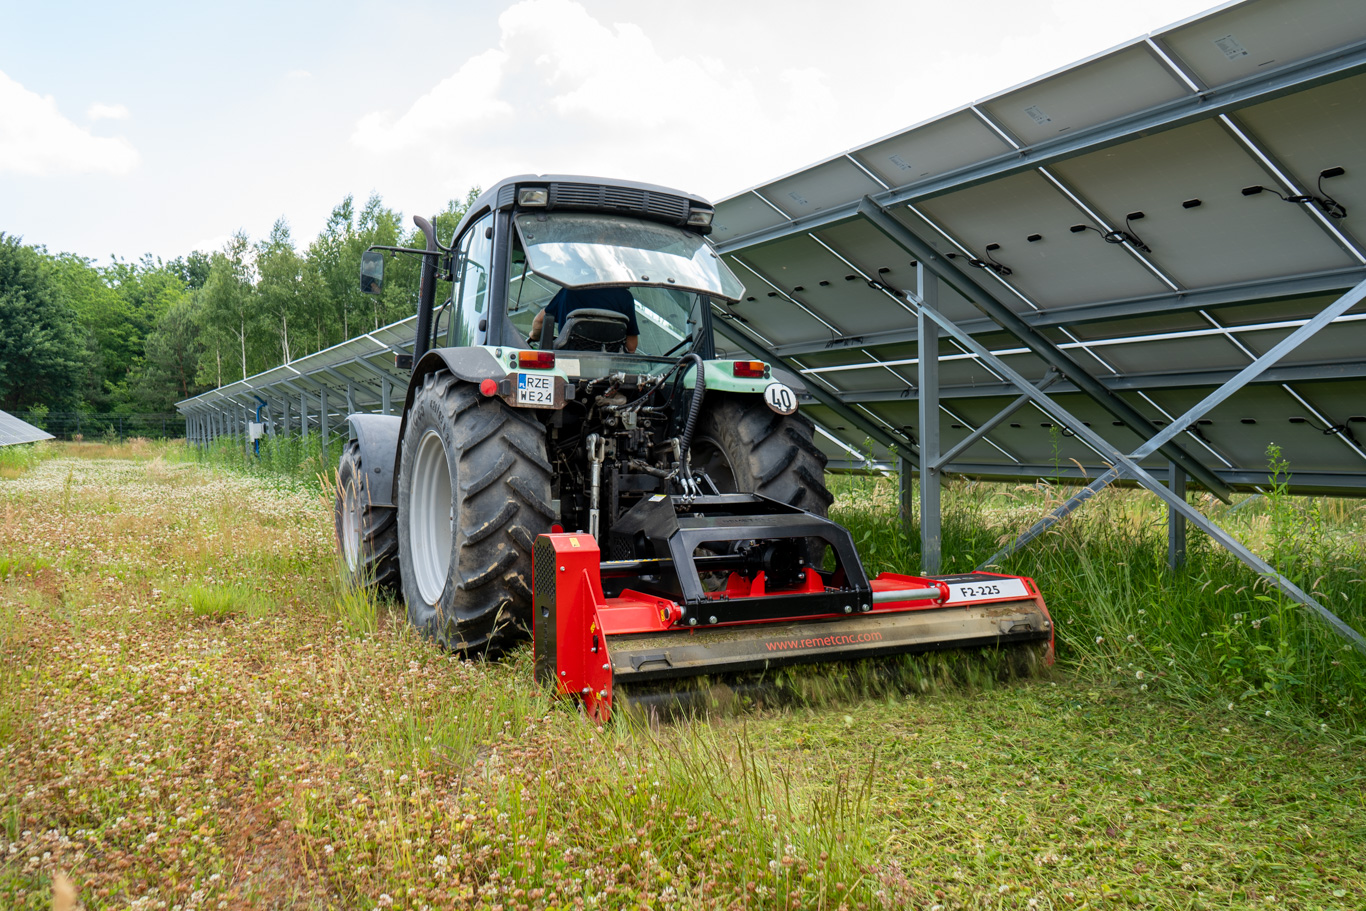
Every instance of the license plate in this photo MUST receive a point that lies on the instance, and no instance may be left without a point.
(533, 389)
(986, 591)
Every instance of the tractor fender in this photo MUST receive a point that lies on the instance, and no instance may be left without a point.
(377, 436)
(470, 365)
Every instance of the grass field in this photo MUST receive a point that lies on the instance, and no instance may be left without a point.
(196, 714)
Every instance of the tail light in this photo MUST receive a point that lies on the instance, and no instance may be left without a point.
(751, 369)
(535, 360)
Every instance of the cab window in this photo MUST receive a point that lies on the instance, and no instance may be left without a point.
(474, 258)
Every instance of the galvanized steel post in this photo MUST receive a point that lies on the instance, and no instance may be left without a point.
(931, 539)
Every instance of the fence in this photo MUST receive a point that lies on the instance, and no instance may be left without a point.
(70, 425)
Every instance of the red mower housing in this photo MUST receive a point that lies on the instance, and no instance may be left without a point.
(650, 624)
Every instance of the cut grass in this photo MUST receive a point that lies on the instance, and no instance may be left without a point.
(319, 754)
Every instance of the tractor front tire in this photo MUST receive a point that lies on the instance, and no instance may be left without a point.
(367, 535)
(746, 447)
(474, 492)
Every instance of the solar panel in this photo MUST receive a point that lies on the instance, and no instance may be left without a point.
(1115, 206)
(14, 431)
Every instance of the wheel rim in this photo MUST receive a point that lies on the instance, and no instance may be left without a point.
(351, 526)
(432, 515)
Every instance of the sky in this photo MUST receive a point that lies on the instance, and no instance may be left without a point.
(132, 128)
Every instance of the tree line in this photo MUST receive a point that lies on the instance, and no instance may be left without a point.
(137, 337)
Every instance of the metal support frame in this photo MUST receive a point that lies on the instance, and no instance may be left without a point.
(1244, 377)
(1290, 373)
(386, 384)
(992, 423)
(967, 286)
(1327, 483)
(1300, 286)
(324, 428)
(1127, 465)
(931, 530)
(1176, 522)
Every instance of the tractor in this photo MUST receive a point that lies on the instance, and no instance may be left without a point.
(573, 464)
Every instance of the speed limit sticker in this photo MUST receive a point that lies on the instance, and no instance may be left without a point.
(780, 398)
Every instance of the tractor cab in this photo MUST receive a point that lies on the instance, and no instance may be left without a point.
(566, 246)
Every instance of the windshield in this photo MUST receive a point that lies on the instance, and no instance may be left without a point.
(668, 318)
(575, 249)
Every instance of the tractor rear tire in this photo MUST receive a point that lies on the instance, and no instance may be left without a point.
(367, 535)
(746, 447)
(474, 492)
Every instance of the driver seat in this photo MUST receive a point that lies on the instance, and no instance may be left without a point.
(588, 329)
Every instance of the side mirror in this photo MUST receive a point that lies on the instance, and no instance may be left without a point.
(371, 272)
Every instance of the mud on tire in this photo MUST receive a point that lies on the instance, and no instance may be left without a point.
(367, 535)
(745, 447)
(474, 493)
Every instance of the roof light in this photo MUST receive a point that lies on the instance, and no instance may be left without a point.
(532, 196)
(535, 360)
(752, 369)
(700, 217)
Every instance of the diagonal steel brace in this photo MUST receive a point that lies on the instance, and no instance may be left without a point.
(1035, 340)
(1126, 466)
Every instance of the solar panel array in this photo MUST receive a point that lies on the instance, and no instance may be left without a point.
(14, 431)
(1109, 209)
(313, 394)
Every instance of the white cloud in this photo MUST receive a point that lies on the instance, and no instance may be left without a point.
(99, 111)
(466, 99)
(36, 139)
(564, 92)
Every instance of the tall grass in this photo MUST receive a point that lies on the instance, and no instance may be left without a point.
(1211, 634)
(288, 457)
(16, 460)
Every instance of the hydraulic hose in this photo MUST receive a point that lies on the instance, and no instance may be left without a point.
(695, 408)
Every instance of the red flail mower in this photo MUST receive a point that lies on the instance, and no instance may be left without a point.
(740, 584)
